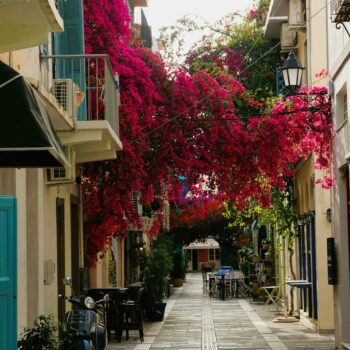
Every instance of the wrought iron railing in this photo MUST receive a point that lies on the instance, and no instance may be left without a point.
(95, 86)
(340, 10)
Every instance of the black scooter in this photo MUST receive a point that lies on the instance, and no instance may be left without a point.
(85, 324)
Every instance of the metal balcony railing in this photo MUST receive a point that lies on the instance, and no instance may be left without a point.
(340, 10)
(95, 86)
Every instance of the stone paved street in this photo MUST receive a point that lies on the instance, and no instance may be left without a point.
(195, 321)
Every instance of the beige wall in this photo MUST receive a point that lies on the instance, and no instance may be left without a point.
(99, 273)
(51, 193)
(318, 48)
(312, 52)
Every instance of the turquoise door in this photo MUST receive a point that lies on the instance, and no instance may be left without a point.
(8, 273)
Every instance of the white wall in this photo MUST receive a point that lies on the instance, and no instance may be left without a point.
(339, 69)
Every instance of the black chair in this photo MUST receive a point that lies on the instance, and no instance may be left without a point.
(130, 316)
(112, 308)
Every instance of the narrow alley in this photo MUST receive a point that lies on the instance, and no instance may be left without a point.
(195, 321)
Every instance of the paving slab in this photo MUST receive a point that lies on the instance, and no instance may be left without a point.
(195, 321)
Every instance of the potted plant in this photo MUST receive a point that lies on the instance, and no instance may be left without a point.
(42, 336)
(157, 269)
(268, 269)
(255, 259)
(266, 244)
(246, 253)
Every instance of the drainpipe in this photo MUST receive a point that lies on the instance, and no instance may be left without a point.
(308, 46)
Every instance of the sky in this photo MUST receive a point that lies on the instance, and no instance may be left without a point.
(165, 12)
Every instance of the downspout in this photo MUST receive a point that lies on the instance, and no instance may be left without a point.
(308, 43)
(327, 35)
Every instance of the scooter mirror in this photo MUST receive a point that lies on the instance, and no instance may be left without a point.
(106, 297)
(67, 281)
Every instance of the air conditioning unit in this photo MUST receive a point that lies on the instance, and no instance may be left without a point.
(296, 17)
(65, 92)
(289, 38)
(63, 175)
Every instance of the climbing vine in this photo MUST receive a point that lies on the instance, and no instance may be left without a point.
(200, 124)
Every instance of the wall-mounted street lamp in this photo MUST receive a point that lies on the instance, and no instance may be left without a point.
(292, 72)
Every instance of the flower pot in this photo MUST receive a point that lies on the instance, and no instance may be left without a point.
(159, 311)
(255, 285)
(178, 282)
(255, 259)
(268, 270)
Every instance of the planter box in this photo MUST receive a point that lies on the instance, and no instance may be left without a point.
(159, 311)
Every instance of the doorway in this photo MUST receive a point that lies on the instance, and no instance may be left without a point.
(60, 257)
(194, 259)
(75, 246)
(8, 272)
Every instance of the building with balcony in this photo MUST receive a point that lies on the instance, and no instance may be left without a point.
(301, 26)
(59, 111)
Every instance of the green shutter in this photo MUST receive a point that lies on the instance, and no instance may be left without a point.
(71, 42)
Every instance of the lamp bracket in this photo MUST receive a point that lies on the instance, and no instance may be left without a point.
(337, 25)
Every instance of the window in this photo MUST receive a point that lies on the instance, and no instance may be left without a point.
(341, 106)
(214, 254)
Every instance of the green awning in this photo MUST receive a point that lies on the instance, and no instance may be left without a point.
(27, 138)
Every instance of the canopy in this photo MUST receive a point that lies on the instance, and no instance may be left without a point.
(27, 138)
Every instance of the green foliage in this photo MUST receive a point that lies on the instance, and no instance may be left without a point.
(112, 272)
(179, 267)
(159, 265)
(42, 336)
(242, 35)
(281, 214)
(246, 253)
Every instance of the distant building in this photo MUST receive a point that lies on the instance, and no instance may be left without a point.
(203, 254)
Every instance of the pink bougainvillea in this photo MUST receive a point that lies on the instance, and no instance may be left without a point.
(187, 124)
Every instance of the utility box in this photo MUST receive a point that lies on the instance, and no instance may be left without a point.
(331, 262)
(49, 271)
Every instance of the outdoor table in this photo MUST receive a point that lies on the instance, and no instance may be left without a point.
(299, 283)
(221, 273)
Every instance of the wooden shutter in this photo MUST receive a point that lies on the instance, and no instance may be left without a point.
(71, 42)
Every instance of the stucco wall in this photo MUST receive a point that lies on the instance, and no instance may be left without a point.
(339, 69)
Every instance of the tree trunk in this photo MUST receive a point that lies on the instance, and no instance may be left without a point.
(291, 254)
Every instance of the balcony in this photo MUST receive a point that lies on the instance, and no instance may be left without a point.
(340, 10)
(139, 3)
(87, 91)
(26, 23)
(278, 14)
